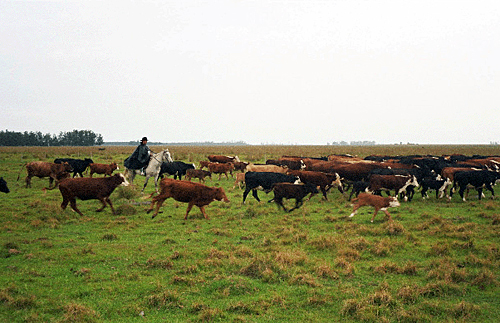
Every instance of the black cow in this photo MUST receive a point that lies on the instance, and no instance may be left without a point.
(292, 191)
(79, 165)
(478, 179)
(265, 182)
(176, 168)
(439, 185)
(3, 186)
(358, 187)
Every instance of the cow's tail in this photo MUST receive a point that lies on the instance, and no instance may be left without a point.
(19, 175)
(146, 197)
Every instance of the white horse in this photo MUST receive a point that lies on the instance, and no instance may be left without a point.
(152, 170)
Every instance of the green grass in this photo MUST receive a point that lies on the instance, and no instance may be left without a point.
(437, 262)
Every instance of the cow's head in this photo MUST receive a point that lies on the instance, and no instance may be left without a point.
(414, 181)
(3, 186)
(220, 195)
(393, 202)
(123, 179)
(67, 167)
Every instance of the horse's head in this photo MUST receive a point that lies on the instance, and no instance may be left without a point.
(166, 157)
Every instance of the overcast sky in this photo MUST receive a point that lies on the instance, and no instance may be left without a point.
(288, 72)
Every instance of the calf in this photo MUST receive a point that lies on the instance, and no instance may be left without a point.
(292, 191)
(221, 168)
(324, 181)
(264, 181)
(90, 189)
(478, 179)
(176, 168)
(187, 192)
(200, 174)
(378, 202)
(3, 186)
(434, 184)
(40, 169)
(240, 179)
(398, 183)
(241, 166)
(79, 165)
(105, 169)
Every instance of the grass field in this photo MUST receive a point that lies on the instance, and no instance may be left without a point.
(438, 261)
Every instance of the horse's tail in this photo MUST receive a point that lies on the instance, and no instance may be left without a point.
(21, 171)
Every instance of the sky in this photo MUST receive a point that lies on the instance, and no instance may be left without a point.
(263, 72)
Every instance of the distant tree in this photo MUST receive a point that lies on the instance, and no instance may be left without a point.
(73, 138)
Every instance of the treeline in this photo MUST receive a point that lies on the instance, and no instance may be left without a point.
(73, 138)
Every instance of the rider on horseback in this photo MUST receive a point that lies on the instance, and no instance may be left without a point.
(140, 157)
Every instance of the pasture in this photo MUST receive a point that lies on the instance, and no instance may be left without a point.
(438, 261)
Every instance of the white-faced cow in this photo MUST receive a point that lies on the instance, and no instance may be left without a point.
(378, 202)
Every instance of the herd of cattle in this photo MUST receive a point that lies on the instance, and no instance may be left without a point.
(289, 177)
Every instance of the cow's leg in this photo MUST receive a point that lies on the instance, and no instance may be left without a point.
(110, 205)
(254, 193)
(323, 190)
(387, 213)
(355, 210)
(202, 208)
(479, 192)
(298, 203)
(73, 206)
(103, 201)
(490, 188)
(279, 202)
(64, 203)
(28, 181)
(461, 192)
(190, 206)
(375, 213)
(159, 203)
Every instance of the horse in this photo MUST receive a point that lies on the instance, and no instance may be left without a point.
(152, 170)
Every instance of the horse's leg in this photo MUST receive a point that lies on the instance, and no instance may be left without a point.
(145, 183)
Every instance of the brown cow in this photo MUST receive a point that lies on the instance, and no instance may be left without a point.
(378, 202)
(241, 166)
(291, 163)
(200, 174)
(398, 183)
(204, 163)
(90, 189)
(105, 169)
(221, 168)
(325, 181)
(53, 171)
(187, 192)
(222, 159)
